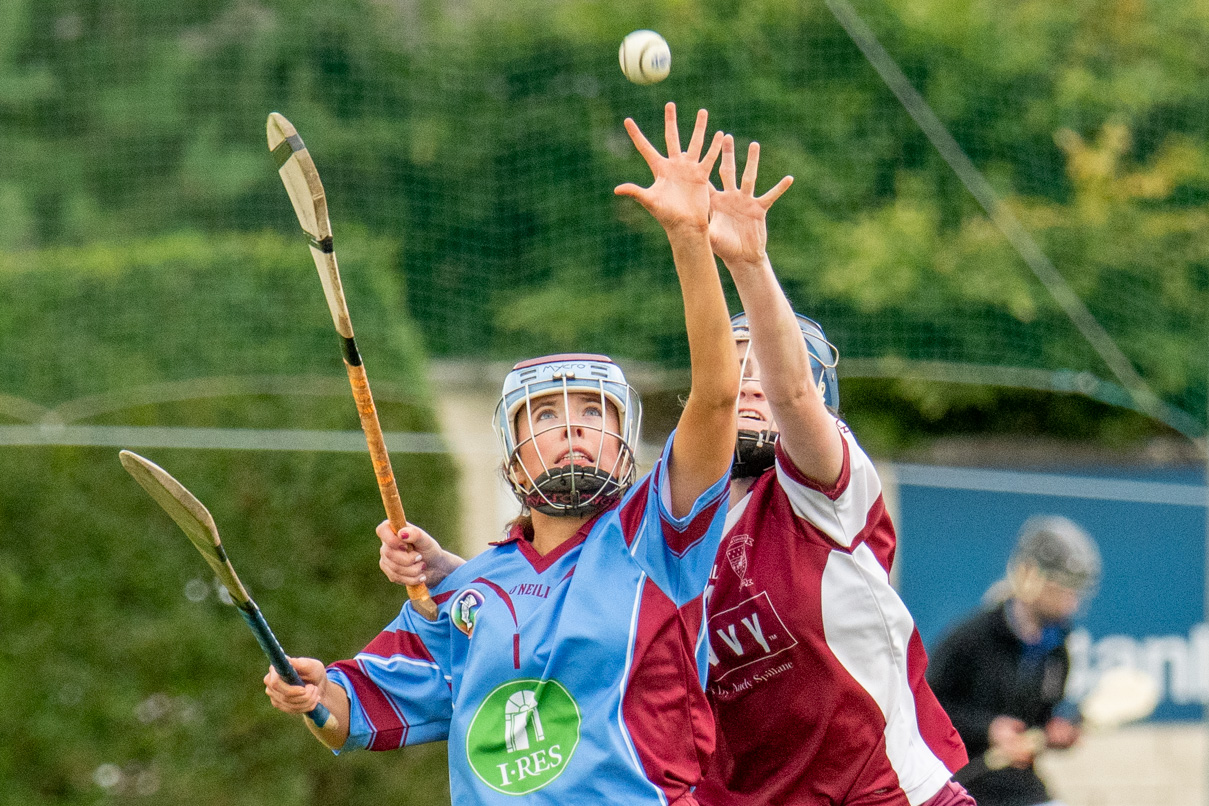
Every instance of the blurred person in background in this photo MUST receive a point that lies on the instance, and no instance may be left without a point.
(1001, 673)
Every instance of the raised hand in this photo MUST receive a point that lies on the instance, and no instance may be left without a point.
(738, 231)
(679, 201)
(679, 196)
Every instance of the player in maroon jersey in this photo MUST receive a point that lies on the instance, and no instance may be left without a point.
(817, 670)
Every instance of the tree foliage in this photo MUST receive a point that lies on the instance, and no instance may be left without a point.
(487, 140)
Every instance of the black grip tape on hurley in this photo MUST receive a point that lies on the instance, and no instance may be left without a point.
(349, 347)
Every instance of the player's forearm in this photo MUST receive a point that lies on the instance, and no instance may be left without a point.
(807, 429)
(775, 336)
(715, 379)
(706, 432)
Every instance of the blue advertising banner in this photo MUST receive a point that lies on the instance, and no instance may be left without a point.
(957, 528)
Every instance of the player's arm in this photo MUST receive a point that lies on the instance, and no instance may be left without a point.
(739, 236)
(679, 201)
(411, 556)
(303, 699)
(398, 669)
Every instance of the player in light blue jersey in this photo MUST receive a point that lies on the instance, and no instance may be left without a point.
(567, 663)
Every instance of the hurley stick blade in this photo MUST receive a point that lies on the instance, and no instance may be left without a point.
(195, 520)
(302, 185)
(1121, 695)
(190, 514)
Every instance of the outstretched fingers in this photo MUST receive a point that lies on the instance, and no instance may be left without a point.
(697, 141)
(775, 192)
(727, 169)
(631, 190)
(648, 151)
(671, 130)
(751, 169)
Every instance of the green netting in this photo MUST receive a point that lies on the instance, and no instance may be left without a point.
(120, 315)
(129, 678)
(127, 675)
(130, 681)
(486, 140)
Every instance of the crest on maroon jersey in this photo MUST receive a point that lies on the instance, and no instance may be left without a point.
(736, 555)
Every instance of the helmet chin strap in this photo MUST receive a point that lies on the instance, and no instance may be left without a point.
(755, 452)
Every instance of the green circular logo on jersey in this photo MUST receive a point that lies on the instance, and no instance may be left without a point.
(523, 735)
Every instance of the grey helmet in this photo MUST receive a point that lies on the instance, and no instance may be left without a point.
(570, 489)
(755, 451)
(1061, 552)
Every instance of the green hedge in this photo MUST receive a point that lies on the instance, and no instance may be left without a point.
(115, 315)
(126, 678)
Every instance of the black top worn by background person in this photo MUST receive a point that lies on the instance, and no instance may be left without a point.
(982, 670)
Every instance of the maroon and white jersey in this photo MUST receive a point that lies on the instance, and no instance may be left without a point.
(816, 669)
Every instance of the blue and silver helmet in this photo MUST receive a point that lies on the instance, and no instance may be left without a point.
(823, 355)
(571, 489)
(755, 451)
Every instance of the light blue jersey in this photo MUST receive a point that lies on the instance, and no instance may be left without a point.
(571, 677)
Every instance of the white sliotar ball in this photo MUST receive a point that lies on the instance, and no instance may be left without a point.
(645, 57)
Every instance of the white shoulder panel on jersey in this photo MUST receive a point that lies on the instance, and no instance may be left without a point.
(868, 629)
(734, 513)
(841, 519)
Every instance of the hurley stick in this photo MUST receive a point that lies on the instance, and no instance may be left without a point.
(1122, 695)
(198, 525)
(301, 181)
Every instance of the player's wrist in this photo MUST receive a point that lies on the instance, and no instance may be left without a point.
(748, 263)
(448, 562)
(686, 229)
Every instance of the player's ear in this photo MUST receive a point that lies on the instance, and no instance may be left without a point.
(509, 472)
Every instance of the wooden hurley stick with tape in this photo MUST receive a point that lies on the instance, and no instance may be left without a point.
(302, 184)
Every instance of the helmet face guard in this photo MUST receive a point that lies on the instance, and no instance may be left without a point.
(571, 489)
(755, 451)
